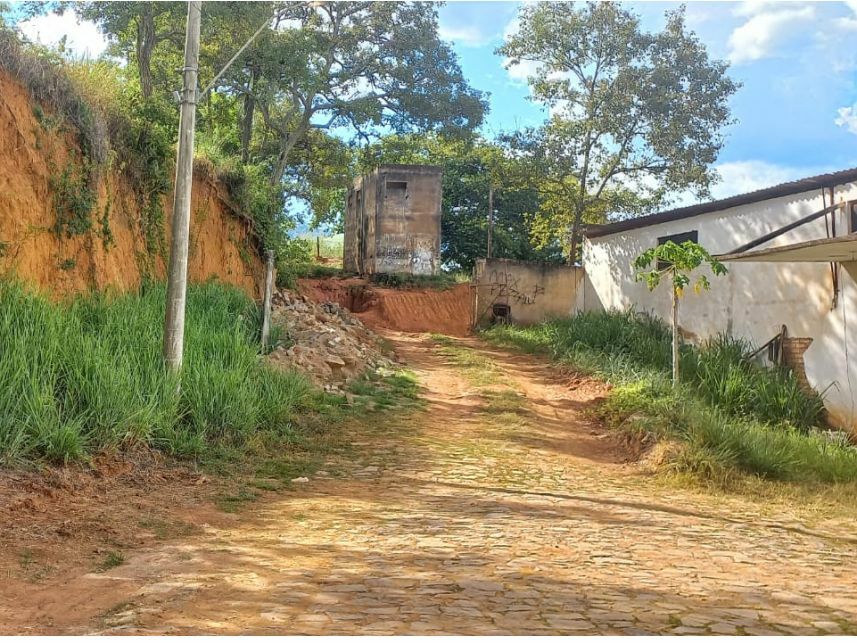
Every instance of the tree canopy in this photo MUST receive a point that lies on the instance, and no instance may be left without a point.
(318, 78)
(635, 116)
(470, 168)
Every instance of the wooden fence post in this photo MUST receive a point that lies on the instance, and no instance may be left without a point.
(266, 303)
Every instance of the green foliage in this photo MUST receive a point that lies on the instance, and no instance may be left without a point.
(729, 413)
(74, 201)
(111, 559)
(470, 168)
(677, 260)
(626, 346)
(142, 135)
(635, 115)
(294, 259)
(405, 281)
(88, 375)
(343, 63)
(717, 445)
(107, 239)
(45, 76)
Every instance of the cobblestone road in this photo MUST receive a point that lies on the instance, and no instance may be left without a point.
(480, 518)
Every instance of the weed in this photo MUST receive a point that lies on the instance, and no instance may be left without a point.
(111, 559)
(74, 201)
(266, 485)
(107, 239)
(475, 367)
(67, 264)
(26, 559)
(443, 281)
(624, 346)
(232, 502)
(164, 529)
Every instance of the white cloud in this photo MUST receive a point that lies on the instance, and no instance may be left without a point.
(82, 37)
(847, 118)
(738, 177)
(524, 69)
(765, 30)
(848, 23)
(467, 35)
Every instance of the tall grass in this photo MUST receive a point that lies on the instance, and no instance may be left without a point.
(730, 412)
(87, 374)
(624, 345)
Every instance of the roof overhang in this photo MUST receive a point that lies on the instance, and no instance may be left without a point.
(842, 249)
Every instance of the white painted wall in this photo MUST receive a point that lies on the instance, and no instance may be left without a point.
(755, 299)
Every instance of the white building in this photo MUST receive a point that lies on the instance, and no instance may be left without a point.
(804, 279)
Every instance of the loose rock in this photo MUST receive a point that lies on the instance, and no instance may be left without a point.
(326, 342)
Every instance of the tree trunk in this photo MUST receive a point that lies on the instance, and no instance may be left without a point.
(145, 46)
(675, 336)
(247, 119)
(572, 251)
(286, 146)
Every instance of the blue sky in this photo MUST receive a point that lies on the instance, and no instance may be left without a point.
(797, 62)
(796, 111)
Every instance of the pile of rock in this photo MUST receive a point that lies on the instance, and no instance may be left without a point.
(325, 341)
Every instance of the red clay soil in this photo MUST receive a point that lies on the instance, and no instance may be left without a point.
(406, 310)
(59, 522)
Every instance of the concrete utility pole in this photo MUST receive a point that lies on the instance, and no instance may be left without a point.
(490, 217)
(177, 277)
(266, 302)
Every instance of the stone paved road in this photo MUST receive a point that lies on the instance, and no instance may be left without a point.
(498, 509)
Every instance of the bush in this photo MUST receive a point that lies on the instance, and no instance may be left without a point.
(87, 375)
(406, 281)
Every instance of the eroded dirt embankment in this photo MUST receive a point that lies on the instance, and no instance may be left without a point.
(34, 153)
(415, 310)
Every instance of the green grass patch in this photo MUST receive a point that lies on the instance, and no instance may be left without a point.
(165, 529)
(442, 281)
(730, 414)
(86, 375)
(111, 559)
(475, 367)
(376, 391)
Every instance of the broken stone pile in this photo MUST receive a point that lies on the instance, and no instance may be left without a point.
(325, 341)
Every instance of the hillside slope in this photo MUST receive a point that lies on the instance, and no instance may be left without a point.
(36, 151)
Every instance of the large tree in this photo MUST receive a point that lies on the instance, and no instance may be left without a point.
(635, 116)
(363, 67)
(137, 30)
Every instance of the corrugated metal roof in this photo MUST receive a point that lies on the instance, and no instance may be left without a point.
(783, 189)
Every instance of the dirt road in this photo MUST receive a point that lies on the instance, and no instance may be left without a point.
(497, 509)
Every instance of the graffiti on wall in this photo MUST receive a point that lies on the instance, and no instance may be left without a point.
(404, 253)
(508, 285)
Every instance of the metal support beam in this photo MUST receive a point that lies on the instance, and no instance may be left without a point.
(786, 228)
